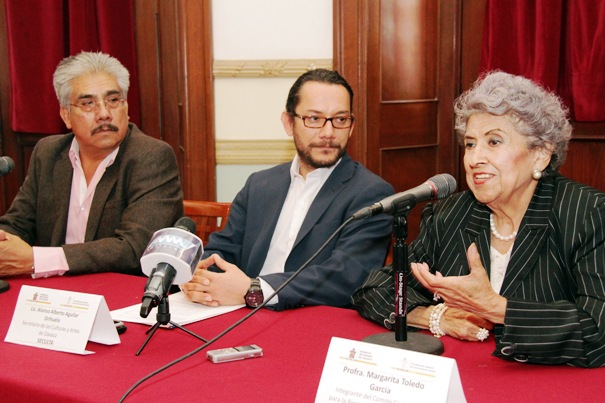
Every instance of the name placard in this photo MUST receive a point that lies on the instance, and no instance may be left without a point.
(355, 371)
(60, 320)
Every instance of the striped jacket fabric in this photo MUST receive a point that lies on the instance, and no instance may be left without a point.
(554, 282)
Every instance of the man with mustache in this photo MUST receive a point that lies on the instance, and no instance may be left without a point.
(92, 198)
(284, 214)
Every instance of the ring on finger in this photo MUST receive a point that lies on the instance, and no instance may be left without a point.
(482, 334)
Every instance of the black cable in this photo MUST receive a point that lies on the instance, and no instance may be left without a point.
(227, 330)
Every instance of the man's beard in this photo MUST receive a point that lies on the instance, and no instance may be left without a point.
(305, 156)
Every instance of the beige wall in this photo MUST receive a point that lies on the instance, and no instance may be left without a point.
(260, 47)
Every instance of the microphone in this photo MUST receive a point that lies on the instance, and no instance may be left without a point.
(437, 187)
(6, 165)
(171, 257)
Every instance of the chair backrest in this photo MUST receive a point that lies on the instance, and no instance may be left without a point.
(389, 259)
(209, 216)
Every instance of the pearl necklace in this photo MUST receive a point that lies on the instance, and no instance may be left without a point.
(499, 236)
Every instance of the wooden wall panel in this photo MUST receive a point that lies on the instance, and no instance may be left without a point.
(409, 54)
(405, 165)
(586, 162)
(406, 168)
(350, 42)
(197, 101)
(407, 124)
(174, 54)
(148, 65)
(408, 49)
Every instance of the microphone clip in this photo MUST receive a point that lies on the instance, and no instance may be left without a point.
(157, 287)
(402, 206)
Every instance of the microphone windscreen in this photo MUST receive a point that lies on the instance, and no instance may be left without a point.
(187, 224)
(6, 165)
(445, 185)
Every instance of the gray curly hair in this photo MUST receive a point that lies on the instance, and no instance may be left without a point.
(536, 113)
(83, 63)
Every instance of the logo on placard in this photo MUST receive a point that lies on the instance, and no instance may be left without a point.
(75, 303)
(40, 298)
(359, 356)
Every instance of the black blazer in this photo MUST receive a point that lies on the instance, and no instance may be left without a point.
(342, 266)
(554, 283)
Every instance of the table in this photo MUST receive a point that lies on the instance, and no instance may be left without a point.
(295, 344)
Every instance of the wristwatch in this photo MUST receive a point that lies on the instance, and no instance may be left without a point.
(254, 297)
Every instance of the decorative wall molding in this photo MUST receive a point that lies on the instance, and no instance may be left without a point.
(267, 68)
(254, 152)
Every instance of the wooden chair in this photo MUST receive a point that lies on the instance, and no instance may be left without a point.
(208, 216)
(389, 259)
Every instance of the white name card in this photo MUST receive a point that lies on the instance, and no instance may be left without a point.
(61, 320)
(356, 371)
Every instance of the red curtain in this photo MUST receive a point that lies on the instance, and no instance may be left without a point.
(42, 32)
(586, 59)
(559, 43)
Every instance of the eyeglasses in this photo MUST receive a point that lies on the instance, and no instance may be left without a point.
(317, 122)
(88, 105)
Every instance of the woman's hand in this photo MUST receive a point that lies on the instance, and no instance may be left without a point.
(463, 325)
(454, 322)
(471, 293)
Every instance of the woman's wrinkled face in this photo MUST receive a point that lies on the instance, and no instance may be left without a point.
(498, 161)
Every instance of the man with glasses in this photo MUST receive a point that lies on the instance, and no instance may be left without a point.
(92, 198)
(283, 215)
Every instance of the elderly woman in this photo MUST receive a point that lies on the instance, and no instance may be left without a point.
(522, 252)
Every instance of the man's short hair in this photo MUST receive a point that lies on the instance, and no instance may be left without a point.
(317, 75)
(86, 63)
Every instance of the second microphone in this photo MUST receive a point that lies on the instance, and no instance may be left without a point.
(171, 257)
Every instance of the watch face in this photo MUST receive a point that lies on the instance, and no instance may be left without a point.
(254, 298)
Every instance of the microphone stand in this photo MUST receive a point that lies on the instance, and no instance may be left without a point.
(413, 341)
(243, 319)
(163, 318)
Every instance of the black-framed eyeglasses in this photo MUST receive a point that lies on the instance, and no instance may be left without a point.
(317, 122)
(89, 105)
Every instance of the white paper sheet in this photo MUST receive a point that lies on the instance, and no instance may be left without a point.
(182, 311)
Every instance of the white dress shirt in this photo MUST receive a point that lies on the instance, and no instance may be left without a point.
(298, 200)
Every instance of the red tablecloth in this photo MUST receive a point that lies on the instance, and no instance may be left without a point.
(295, 344)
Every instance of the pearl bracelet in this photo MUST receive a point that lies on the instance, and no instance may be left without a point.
(435, 318)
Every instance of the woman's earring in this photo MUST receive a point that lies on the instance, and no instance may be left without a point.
(536, 174)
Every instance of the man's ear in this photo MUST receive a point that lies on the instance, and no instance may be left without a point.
(352, 125)
(288, 121)
(64, 112)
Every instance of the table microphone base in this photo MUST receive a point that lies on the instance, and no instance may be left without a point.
(421, 343)
(3, 286)
(163, 318)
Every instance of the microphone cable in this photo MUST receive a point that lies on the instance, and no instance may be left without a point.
(243, 319)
